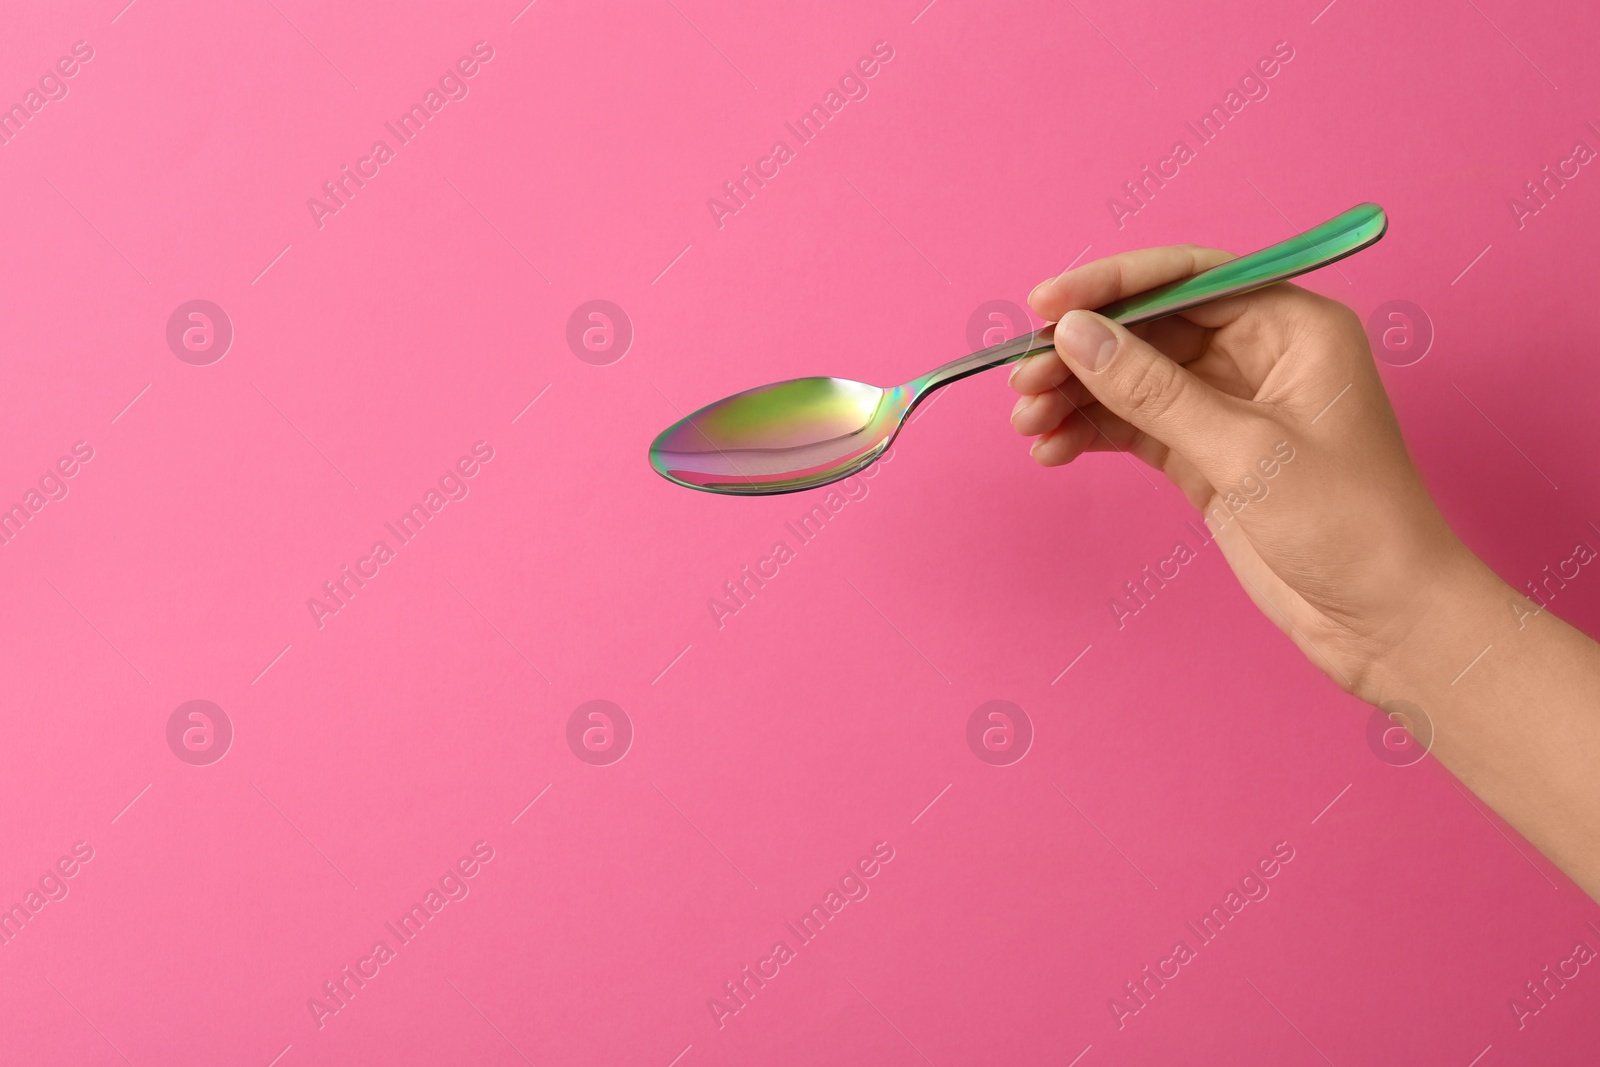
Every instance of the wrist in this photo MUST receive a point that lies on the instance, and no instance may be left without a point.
(1459, 608)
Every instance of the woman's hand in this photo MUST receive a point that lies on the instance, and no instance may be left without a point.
(1267, 411)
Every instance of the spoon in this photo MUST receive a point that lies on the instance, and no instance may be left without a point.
(807, 432)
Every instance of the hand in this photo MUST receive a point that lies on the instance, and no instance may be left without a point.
(1267, 411)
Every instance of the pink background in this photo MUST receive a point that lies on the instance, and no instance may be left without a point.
(830, 713)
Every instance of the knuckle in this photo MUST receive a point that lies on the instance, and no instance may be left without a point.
(1341, 319)
(1152, 387)
(1348, 320)
(1334, 313)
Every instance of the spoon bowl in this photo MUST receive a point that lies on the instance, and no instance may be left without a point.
(807, 432)
(782, 438)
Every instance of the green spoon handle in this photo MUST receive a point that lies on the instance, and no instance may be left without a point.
(1340, 236)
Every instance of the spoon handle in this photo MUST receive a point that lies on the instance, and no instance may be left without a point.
(1340, 236)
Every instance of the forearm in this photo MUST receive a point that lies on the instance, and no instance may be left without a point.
(1513, 694)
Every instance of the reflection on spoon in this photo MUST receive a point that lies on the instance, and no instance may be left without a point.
(793, 435)
(807, 432)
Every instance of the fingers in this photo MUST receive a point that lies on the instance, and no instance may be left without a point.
(1155, 395)
(1043, 412)
(1097, 284)
(1086, 426)
(1179, 338)
(1064, 443)
(1094, 429)
(1039, 373)
(1091, 428)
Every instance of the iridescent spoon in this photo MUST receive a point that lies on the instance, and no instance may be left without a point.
(800, 434)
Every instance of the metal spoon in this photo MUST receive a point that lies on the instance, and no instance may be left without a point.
(807, 432)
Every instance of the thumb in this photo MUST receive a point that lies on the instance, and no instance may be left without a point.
(1153, 394)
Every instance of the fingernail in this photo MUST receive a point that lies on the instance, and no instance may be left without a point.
(1033, 449)
(1084, 337)
(1021, 404)
(1036, 289)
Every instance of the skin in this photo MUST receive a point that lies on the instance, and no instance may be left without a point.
(1341, 546)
